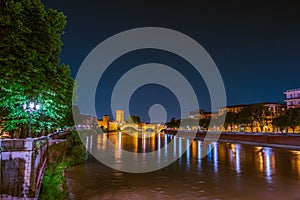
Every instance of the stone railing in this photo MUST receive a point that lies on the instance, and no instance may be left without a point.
(23, 162)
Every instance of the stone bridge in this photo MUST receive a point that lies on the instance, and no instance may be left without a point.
(143, 127)
(23, 162)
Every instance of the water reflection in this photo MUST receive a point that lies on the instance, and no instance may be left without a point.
(228, 171)
(295, 162)
(235, 157)
(188, 164)
(266, 162)
(215, 150)
(199, 154)
(262, 158)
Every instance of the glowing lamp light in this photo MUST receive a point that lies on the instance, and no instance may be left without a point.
(30, 108)
(31, 105)
(37, 106)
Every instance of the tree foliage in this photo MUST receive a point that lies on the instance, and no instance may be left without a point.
(231, 118)
(133, 119)
(30, 45)
(291, 119)
(173, 123)
(254, 113)
(204, 123)
(280, 122)
(189, 123)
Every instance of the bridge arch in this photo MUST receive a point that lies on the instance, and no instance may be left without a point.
(143, 127)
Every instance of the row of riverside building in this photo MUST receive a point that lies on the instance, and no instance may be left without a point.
(292, 100)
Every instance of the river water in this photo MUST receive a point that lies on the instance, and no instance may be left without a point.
(229, 171)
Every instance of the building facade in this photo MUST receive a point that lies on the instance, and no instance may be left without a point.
(213, 115)
(275, 109)
(107, 125)
(88, 122)
(234, 108)
(292, 98)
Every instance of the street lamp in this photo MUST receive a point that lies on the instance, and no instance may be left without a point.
(31, 107)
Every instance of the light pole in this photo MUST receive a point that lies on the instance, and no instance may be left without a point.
(31, 107)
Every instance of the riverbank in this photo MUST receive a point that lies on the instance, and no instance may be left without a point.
(61, 156)
(291, 141)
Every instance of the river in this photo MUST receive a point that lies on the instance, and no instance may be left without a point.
(229, 171)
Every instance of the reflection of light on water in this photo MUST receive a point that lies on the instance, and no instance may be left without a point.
(120, 140)
(158, 143)
(99, 142)
(259, 150)
(153, 142)
(91, 143)
(104, 141)
(158, 147)
(174, 146)
(199, 154)
(215, 156)
(194, 149)
(188, 151)
(237, 159)
(144, 142)
(295, 162)
(165, 146)
(87, 142)
(180, 146)
(199, 150)
(136, 142)
(268, 163)
(209, 154)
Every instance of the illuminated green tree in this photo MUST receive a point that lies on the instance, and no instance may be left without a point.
(30, 45)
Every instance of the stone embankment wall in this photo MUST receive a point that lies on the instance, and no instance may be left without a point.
(22, 165)
(265, 138)
(292, 140)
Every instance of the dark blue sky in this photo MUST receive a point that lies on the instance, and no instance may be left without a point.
(256, 46)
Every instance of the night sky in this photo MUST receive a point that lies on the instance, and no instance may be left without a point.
(256, 46)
